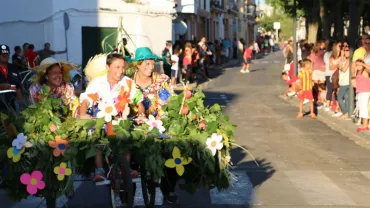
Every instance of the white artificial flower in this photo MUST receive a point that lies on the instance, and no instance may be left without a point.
(153, 123)
(214, 143)
(107, 110)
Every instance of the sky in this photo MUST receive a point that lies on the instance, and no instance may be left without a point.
(260, 1)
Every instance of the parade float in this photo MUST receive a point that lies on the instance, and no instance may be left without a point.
(44, 147)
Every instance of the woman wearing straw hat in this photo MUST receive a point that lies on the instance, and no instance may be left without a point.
(55, 75)
(156, 89)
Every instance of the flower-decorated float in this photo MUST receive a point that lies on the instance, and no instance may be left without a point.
(45, 146)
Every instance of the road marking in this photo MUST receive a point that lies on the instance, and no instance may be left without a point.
(265, 62)
(318, 189)
(276, 62)
(240, 192)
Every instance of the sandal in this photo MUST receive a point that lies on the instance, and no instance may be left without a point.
(300, 115)
(100, 179)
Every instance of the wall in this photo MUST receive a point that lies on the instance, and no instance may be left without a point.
(188, 6)
(20, 23)
(145, 27)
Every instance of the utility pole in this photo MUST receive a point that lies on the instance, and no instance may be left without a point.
(295, 38)
(352, 43)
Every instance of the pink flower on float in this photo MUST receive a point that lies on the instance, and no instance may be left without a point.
(33, 181)
(53, 128)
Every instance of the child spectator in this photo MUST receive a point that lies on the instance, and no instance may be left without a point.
(322, 94)
(175, 66)
(305, 78)
(362, 85)
(292, 82)
(247, 59)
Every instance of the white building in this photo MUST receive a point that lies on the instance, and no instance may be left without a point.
(39, 21)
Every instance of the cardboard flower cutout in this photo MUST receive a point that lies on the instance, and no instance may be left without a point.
(15, 154)
(62, 171)
(107, 111)
(21, 141)
(33, 181)
(214, 143)
(59, 145)
(177, 161)
(153, 123)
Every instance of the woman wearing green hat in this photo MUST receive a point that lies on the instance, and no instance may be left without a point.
(156, 89)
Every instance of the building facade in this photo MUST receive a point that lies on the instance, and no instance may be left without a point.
(89, 23)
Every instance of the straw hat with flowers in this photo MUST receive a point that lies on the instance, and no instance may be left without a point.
(46, 63)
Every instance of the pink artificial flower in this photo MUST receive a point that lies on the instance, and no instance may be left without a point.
(53, 128)
(33, 181)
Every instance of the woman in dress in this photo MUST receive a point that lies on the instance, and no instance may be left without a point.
(156, 89)
(55, 75)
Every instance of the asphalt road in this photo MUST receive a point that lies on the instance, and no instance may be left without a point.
(302, 162)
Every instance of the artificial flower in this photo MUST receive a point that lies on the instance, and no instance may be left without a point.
(59, 145)
(53, 128)
(122, 100)
(21, 141)
(94, 97)
(107, 110)
(33, 181)
(177, 161)
(153, 123)
(62, 171)
(164, 94)
(15, 153)
(214, 143)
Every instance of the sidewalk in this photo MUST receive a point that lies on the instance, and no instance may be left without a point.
(344, 127)
(214, 73)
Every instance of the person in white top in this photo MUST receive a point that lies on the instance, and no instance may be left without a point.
(328, 75)
(344, 84)
(175, 66)
(108, 96)
(272, 45)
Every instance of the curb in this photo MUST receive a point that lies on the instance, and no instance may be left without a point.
(344, 127)
(208, 84)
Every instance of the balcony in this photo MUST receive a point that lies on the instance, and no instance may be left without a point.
(187, 6)
(217, 6)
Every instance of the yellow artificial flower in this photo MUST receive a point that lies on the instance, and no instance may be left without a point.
(15, 153)
(62, 171)
(177, 161)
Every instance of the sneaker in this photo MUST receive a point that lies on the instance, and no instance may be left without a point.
(327, 109)
(320, 107)
(242, 71)
(338, 114)
(170, 198)
(290, 94)
(246, 71)
(100, 179)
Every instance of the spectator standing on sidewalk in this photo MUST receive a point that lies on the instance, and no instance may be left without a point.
(256, 49)
(360, 52)
(344, 84)
(17, 59)
(166, 53)
(362, 84)
(318, 66)
(305, 78)
(47, 52)
(175, 66)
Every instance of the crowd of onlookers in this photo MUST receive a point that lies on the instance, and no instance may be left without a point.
(325, 71)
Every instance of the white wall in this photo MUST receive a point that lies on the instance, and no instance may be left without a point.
(146, 28)
(188, 6)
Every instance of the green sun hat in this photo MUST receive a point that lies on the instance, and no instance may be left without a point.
(144, 53)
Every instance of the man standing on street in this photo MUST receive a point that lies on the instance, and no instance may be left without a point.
(47, 52)
(17, 59)
(166, 53)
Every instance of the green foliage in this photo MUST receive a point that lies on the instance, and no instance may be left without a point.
(86, 138)
(286, 22)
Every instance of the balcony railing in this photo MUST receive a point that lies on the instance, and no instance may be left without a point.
(216, 4)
